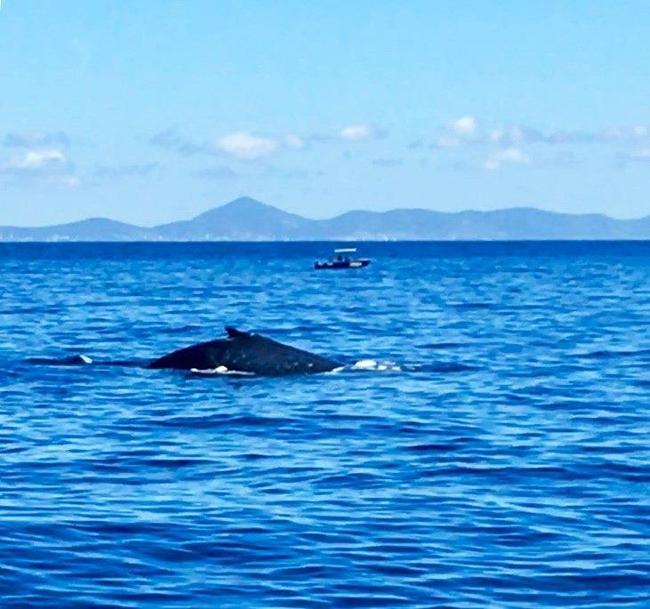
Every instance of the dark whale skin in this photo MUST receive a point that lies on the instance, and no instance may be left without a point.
(246, 352)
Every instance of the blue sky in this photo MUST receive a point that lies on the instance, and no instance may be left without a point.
(157, 110)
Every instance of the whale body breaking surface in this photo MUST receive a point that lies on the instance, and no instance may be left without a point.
(239, 354)
(246, 352)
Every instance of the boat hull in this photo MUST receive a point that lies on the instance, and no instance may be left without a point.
(336, 265)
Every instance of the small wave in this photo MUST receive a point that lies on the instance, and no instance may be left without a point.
(225, 420)
(441, 345)
(128, 363)
(471, 305)
(611, 354)
(85, 360)
(445, 367)
(441, 447)
(72, 360)
(186, 329)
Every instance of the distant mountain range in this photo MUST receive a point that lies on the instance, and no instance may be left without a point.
(246, 219)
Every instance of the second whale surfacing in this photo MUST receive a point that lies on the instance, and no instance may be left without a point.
(248, 353)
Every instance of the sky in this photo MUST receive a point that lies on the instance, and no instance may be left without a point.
(157, 110)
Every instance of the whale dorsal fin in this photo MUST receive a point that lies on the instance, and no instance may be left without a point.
(235, 333)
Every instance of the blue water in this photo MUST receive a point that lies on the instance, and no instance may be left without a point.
(506, 464)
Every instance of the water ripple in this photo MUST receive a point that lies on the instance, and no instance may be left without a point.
(503, 460)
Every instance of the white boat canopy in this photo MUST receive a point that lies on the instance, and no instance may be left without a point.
(345, 250)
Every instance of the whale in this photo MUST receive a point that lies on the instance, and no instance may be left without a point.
(248, 353)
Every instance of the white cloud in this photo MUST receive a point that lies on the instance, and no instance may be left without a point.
(37, 162)
(243, 145)
(467, 130)
(459, 131)
(38, 159)
(465, 126)
(514, 134)
(506, 156)
(356, 132)
(48, 164)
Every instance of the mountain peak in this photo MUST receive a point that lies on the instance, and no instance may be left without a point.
(246, 204)
(246, 219)
(242, 219)
(242, 206)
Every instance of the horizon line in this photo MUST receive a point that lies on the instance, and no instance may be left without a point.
(309, 241)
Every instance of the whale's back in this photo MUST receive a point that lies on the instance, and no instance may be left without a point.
(203, 356)
(245, 352)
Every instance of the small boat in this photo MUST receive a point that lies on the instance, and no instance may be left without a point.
(342, 260)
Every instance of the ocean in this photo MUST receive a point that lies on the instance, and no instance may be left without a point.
(495, 453)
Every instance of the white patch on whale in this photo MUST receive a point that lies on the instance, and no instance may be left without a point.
(221, 370)
(371, 364)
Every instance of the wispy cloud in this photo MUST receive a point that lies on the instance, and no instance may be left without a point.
(216, 173)
(514, 135)
(506, 156)
(172, 139)
(70, 181)
(242, 145)
(125, 171)
(387, 162)
(640, 156)
(513, 142)
(36, 139)
(273, 171)
(469, 130)
(630, 133)
(295, 142)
